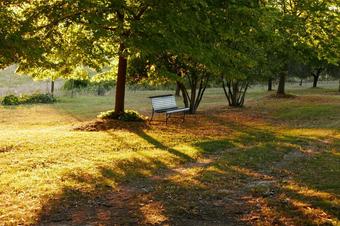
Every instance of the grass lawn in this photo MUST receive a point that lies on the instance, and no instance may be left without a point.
(273, 162)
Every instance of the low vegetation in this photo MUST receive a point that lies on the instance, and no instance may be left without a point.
(36, 98)
(127, 116)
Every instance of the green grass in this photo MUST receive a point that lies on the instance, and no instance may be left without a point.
(276, 161)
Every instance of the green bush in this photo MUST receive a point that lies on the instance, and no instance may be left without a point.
(75, 84)
(128, 116)
(98, 88)
(131, 116)
(10, 100)
(107, 115)
(36, 98)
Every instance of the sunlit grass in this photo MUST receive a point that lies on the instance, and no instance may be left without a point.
(218, 162)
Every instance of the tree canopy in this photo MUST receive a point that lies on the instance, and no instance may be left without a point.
(234, 40)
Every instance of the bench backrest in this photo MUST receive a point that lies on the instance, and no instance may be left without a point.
(163, 102)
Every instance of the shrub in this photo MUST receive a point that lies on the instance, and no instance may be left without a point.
(38, 98)
(107, 115)
(128, 116)
(10, 100)
(98, 88)
(28, 99)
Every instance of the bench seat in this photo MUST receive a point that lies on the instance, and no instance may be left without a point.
(177, 110)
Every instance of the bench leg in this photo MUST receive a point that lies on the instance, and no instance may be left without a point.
(183, 116)
(153, 112)
(167, 116)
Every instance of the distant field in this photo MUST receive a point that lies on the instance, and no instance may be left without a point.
(88, 106)
(11, 83)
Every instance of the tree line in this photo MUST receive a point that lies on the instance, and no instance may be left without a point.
(190, 42)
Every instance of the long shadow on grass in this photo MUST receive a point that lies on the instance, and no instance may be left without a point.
(140, 190)
(281, 157)
(261, 177)
(146, 190)
(137, 128)
(141, 133)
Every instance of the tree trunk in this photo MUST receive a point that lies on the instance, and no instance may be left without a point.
(178, 90)
(235, 92)
(193, 96)
(197, 89)
(184, 95)
(52, 87)
(281, 87)
(72, 88)
(315, 80)
(316, 77)
(300, 84)
(121, 80)
(270, 84)
(100, 90)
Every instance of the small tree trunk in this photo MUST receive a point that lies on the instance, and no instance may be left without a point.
(198, 86)
(315, 80)
(100, 90)
(316, 77)
(281, 87)
(270, 84)
(300, 84)
(193, 97)
(72, 88)
(178, 90)
(235, 92)
(184, 95)
(121, 80)
(52, 87)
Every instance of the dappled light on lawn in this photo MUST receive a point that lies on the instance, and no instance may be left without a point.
(235, 166)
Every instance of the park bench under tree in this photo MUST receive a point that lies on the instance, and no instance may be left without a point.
(166, 104)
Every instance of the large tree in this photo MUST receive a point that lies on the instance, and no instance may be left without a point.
(106, 31)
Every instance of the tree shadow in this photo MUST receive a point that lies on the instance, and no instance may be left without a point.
(263, 152)
(243, 183)
(134, 191)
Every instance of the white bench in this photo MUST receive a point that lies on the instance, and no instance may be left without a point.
(166, 104)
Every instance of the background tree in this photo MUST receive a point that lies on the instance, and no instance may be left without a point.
(321, 37)
(298, 70)
(334, 71)
(240, 53)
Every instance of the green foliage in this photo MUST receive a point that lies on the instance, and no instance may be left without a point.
(75, 84)
(15, 46)
(128, 116)
(240, 40)
(10, 100)
(98, 87)
(37, 98)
